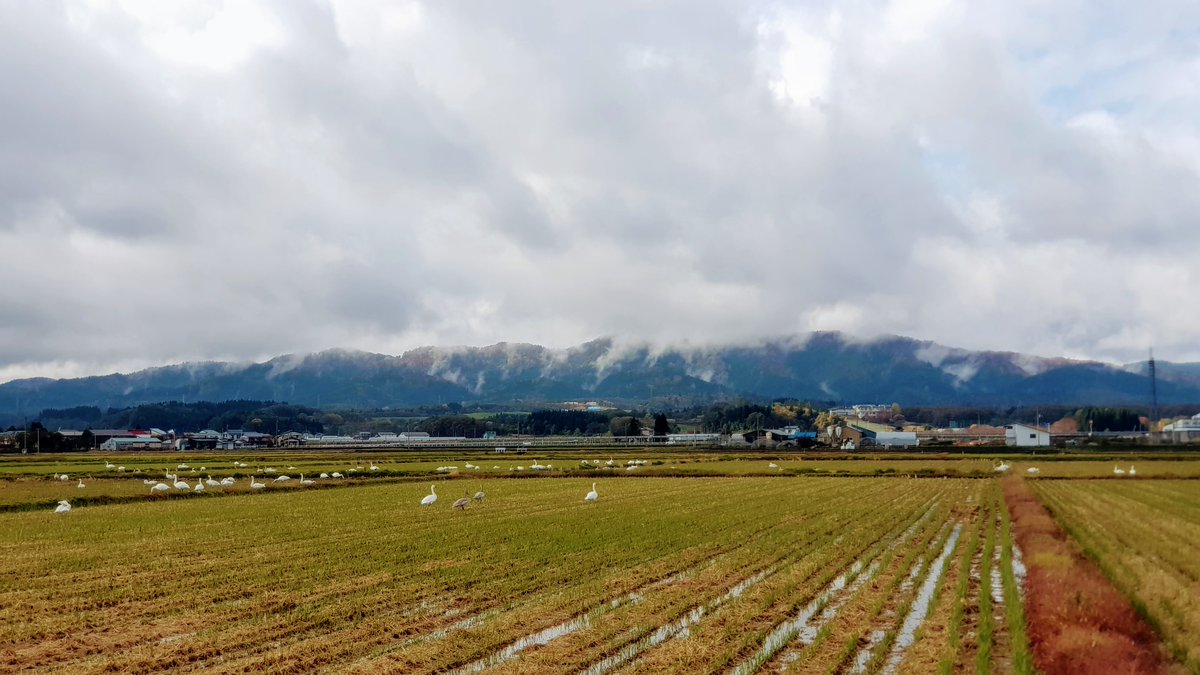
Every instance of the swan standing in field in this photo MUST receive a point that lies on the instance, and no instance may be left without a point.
(81, 484)
(1132, 471)
(160, 487)
(461, 504)
(323, 475)
(431, 497)
(479, 496)
(120, 469)
(256, 486)
(63, 477)
(772, 465)
(1001, 467)
(284, 478)
(1033, 471)
(63, 507)
(182, 485)
(592, 496)
(609, 462)
(375, 468)
(211, 482)
(337, 474)
(1118, 471)
(228, 480)
(199, 486)
(306, 481)
(108, 464)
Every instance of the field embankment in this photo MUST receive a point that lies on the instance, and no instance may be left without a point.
(1078, 622)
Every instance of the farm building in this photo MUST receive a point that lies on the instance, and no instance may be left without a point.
(1024, 436)
(131, 443)
(1184, 431)
(880, 438)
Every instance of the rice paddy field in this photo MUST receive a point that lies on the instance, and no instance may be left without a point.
(1145, 535)
(745, 564)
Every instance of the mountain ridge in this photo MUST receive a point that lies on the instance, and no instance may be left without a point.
(820, 366)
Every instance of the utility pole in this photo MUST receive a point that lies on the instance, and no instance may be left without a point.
(1153, 392)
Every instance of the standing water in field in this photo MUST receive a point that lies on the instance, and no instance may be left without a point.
(677, 627)
(831, 599)
(920, 607)
(577, 623)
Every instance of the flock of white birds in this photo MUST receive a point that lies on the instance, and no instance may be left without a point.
(174, 481)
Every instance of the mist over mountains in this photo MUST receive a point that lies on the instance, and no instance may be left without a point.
(822, 366)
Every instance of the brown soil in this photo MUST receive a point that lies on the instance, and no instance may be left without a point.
(1079, 623)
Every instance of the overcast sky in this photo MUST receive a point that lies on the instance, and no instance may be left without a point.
(239, 179)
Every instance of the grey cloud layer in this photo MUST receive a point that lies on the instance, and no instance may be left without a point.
(989, 175)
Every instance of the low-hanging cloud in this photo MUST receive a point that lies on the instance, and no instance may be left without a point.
(219, 180)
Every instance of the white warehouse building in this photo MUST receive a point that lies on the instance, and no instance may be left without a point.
(1024, 436)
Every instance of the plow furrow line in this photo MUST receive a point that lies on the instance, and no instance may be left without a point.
(567, 627)
(920, 609)
(635, 648)
(679, 626)
(867, 653)
(830, 600)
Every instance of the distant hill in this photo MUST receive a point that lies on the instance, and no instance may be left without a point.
(818, 366)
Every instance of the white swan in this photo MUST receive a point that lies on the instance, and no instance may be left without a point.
(63, 507)
(182, 485)
(81, 483)
(1032, 471)
(199, 486)
(281, 478)
(1001, 467)
(373, 467)
(228, 480)
(306, 481)
(256, 486)
(212, 482)
(609, 462)
(431, 497)
(1132, 471)
(108, 464)
(323, 475)
(120, 469)
(337, 474)
(160, 487)
(1118, 471)
(592, 496)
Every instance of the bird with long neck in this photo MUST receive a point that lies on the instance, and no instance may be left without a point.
(431, 497)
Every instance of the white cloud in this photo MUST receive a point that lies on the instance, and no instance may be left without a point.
(256, 178)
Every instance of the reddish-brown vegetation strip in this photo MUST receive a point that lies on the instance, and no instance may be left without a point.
(1078, 622)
